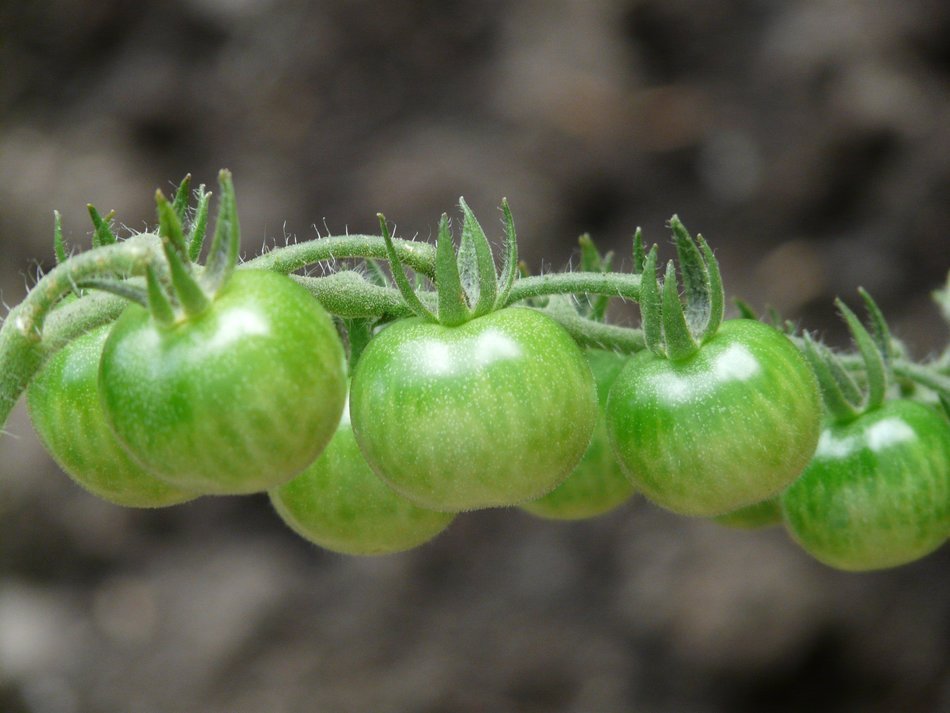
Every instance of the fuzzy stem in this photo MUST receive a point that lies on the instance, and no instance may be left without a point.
(922, 375)
(349, 294)
(418, 256)
(589, 333)
(22, 350)
(611, 284)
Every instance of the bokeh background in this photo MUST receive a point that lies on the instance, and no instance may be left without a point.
(808, 141)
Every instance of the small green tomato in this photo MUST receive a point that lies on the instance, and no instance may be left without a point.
(237, 399)
(66, 412)
(731, 425)
(492, 412)
(877, 492)
(752, 517)
(340, 504)
(598, 483)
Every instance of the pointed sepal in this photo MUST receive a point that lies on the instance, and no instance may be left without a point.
(509, 270)
(159, 305)
(880, 331)
(695, 279)
(59, 244)
(226, 243)
(874, 368)
(169, 227)
(651, 305)
(187, 290)
(180, 201)
(945, 404)
(199, 226)
(121, 288)
(745, 309)
(841, 409)
(639, 255)
(102, 234)
(375, 274)
(590, 255)
(482, 297)
(594, 307)
(717, 293)
(399, 275)
(453, 309)
(680, 343)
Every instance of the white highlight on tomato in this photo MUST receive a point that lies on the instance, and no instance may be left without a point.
(236, 324)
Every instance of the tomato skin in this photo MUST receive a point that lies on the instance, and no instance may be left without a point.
(730, 426)
(598, 483)
(877, 492)
(64, 405)
(494, 412)
(340, 504)
(237, 399)
(752, 517)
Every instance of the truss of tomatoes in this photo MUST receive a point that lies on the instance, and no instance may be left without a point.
(243, 387)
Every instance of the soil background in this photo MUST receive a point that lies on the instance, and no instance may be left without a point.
(808, 141)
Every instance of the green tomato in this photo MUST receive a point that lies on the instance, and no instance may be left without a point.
(598, 483)
(877, 492)
(493, 412)
(64, 404)
(238, 399)
(752, 517)
(340, 504)
(729, 426)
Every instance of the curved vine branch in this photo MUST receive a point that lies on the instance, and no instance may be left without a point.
(22, 348)
(419, 256)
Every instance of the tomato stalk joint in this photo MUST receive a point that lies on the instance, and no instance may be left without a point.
(468, 285)
(675, 329)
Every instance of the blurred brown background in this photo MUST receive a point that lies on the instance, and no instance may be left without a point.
(808, 141)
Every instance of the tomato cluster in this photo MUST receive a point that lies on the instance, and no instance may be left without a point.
(235, 382)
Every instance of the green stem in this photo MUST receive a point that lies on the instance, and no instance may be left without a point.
(922, 375)
(70, 321)
(927, 375)
(349, 294)
(22, 347)
(611, 284)
(589, 333)
(419, 256)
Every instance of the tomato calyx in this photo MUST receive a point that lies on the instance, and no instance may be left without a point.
(177, 288)
(844, 398)
(674, 328)
(468, 285)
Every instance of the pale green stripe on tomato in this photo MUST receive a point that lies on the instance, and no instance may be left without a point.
(752, 517)
(66, 412)
(877, 493)
(598, 484)
(237, 399)
(340, 504)
(493, 412)
(730, 426)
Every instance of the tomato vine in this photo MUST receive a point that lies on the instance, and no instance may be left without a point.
(469, 385)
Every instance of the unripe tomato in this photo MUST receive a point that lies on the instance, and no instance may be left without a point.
(340, 504)
(493, 412)
(598, 483)
(237, 399)
(877, 492)
(727, 427)
(64, 405)
(752, 517)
